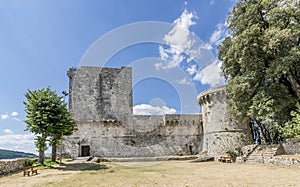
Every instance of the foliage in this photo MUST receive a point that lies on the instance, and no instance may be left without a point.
(292, 128)
(30, 162)
(47, 118)
(46, 165)
(239, 151)
(232, 154)
(260, 59)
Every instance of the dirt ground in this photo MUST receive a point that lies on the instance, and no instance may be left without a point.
(167, 173)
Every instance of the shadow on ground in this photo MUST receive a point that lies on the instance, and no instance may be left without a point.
(81, 167)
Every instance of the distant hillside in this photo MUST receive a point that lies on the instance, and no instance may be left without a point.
(7, 154)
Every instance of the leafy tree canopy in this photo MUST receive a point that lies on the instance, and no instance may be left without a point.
(47, 118)
(261, 61)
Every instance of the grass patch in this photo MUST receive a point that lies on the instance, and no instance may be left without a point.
(47, 163)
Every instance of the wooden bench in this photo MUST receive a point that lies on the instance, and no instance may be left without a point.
(226, 159)
(29, 169)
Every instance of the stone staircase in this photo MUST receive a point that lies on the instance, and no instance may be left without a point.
(263, 153)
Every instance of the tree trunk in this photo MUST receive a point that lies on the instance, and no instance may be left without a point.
(41, 157)
(53, 154)
(295, 85)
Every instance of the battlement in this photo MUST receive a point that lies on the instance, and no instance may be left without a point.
(100, 100)
(207, 95)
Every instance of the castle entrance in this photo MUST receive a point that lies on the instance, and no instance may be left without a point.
(85, 150)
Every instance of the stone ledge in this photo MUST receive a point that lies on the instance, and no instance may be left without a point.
(286, 160)
(11, 165)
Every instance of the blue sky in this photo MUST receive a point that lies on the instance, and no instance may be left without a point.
(41, 40)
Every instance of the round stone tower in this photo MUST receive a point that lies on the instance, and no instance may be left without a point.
(221, 134)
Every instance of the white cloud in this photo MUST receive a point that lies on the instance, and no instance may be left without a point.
(206, 46)
(184, 81)
(212, 2)
(192, 69)
(17, 119)
(145, 109)
(18, 142)
(4, 116)
(8, 131)
(180, 42)
(219, 34)
(11, 116)
(14, 114)
(211, 75)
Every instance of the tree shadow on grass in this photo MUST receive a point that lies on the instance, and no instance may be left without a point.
(86, 166)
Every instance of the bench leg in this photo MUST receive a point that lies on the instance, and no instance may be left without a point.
(26, 173)
(34, 171)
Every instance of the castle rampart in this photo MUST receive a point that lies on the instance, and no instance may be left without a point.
(101, 103)
(220, 132)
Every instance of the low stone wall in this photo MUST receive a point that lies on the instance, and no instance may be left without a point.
(10, 165)
(287, 161)
(291, 146)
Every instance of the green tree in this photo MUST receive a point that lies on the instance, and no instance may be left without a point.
(46, 117)
(261, 61)
(64, 128)
(292, 128)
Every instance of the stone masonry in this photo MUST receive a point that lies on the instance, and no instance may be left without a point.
(101, 103)
(220, 132)
(11, 165)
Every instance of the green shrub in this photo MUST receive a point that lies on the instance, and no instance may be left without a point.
(292, 127)
(232, 154)
(47, 164)
(239, 151)
(30, 162)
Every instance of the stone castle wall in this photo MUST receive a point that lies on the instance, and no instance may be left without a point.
(220, 132)
(101, 102)
(154, 136)
(100, 93)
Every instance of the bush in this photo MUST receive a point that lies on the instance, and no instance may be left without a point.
(292, 127)
(239, 151)
(232, 154)
(30, 162)
(47, 164)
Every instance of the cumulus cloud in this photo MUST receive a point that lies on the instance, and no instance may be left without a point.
(179, 42)
(206, 46)
(14, 114)
(11, 116)
(8, 131)
(219, 34)
(182, 44)
(145, 109)
(211, 75)
(18, 142)
(184, 81)
(4, 116)
(192, 69)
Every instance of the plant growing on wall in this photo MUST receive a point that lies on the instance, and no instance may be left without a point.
(232, 154)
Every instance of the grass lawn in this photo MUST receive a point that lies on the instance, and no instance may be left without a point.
(167, 173)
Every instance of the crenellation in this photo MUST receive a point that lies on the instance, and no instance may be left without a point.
(101, 102)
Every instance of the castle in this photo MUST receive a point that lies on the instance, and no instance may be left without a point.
(100, 100)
